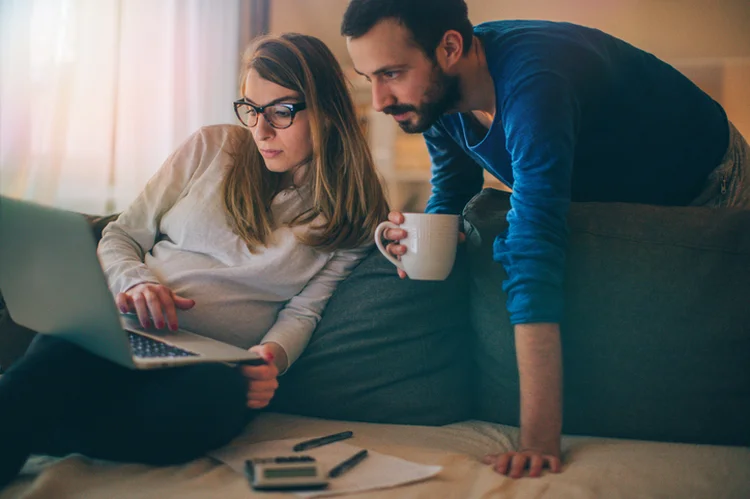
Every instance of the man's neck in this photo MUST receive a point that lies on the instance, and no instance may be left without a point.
(477, 86)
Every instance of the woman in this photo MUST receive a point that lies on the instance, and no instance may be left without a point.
(242, 235)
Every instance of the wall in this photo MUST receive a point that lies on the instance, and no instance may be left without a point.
(709, 40)
(668, 28)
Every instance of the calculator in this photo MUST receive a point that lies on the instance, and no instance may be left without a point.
(285, 473)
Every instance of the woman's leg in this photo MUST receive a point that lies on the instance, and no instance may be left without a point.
(60, 399)
(52, 378)
(161, 417)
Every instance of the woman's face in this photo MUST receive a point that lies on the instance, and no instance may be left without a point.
(283, 150)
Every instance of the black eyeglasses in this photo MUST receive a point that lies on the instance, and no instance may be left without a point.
(277, 115)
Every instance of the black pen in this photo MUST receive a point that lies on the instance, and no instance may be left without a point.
(317, 442)
(347, 464)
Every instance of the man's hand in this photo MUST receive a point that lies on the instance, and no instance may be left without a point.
(152, 300)
(396, 235)
(513, 463)
(262, 382)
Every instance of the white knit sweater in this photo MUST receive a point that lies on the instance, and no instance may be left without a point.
(176, 233)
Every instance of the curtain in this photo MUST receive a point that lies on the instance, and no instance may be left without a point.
(95, 94)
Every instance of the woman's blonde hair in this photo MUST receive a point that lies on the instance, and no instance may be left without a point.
(346, 190)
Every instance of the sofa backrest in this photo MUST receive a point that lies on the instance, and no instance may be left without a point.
(656, 337)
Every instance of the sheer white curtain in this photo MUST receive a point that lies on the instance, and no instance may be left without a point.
(95, 94)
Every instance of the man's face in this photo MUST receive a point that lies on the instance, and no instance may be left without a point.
(405, 82)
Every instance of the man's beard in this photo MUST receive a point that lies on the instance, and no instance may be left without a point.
(442, 96)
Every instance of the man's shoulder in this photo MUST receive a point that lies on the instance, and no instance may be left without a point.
(526, 27)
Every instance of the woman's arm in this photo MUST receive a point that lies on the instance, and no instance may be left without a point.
(298, 319)
(126, 240)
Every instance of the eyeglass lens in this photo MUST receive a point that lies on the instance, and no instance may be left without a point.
(278, 116)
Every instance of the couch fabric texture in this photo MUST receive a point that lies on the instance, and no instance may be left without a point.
(656, 339)
(387, 351)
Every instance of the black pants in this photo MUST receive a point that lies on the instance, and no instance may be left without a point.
(59, 399)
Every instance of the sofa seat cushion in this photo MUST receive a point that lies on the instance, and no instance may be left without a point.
(594, 468)
(656, 336)
(386, 350)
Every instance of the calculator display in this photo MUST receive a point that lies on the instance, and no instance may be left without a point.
(288, 472)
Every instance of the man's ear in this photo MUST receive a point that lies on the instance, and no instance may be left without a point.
(450, 49)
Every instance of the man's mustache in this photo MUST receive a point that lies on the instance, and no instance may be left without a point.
(399, 109)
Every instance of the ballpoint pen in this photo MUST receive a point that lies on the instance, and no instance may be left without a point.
(317, 442)
(347, 464)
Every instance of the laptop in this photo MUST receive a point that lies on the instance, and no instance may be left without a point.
(52, 283)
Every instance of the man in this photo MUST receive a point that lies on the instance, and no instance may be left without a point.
(559, 113)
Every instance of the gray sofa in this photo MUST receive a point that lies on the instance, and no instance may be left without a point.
(656, 339)
(656, 345)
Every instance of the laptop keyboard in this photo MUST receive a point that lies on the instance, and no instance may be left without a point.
(149, 348)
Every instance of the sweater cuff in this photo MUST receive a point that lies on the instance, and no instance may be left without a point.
(132, 277)
(292, 335)
(539, 304)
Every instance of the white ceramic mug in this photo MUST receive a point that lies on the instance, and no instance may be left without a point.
(430, 241)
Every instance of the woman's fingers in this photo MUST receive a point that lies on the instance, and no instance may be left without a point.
(182, 303)
(263, 372)
(270, 385)
(170, 312)
(124, 303)
(257, 404)
(154, 301)
(394, 234)
(141, 308)
(262, 384)
(396, 217)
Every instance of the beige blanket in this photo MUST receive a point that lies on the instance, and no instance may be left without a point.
(593, 467)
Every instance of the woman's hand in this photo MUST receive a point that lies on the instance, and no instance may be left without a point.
(262, 379)
(153, 300)
(513, 463)
(396, 235)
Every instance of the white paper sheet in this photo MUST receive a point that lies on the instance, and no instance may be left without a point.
(376, 471)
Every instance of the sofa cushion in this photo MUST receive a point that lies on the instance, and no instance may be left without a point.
(656, 336)
(386, 350)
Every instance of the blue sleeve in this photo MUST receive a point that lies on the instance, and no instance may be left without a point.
(456, 178)
(540, 116)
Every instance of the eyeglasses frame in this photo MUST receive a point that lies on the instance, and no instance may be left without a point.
(293, 108)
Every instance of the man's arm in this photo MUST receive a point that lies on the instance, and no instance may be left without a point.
(540, 374)
(456, 178)
(541, 116)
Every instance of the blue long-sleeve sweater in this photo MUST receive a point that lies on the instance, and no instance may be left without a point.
(580, 116)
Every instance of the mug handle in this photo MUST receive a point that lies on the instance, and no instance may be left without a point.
(379, 243)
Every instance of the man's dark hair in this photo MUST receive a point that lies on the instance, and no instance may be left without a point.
(426, 20)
